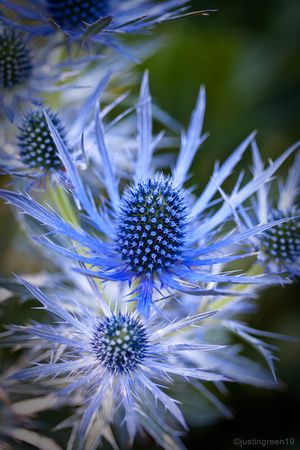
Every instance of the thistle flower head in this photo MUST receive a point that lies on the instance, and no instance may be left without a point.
(37, 148)
(15, 59)
(279, 245)
(35, 152)
(72, 14)
(26, 69)
(151, 225)
(120, 343)
(282, 242)
(101, 354)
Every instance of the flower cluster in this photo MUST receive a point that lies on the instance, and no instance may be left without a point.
(144, 269)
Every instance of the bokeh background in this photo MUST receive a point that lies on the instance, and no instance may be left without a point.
(247, 54)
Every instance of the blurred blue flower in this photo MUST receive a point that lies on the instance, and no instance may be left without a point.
(230, 319)
(279, 246)
(37, 155)
(156, 235)
(117, 361)
(99, 21)
(25, 73)
(28, 150)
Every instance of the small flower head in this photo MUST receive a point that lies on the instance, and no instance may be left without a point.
(120, 343)
(279, 245)
(26, 72)
(37, 148)
(15, 59)
(32, 155)
(151, 226)
(282, 243)
(29, 149)
(72, 14)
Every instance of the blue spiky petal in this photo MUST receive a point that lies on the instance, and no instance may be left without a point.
(72, 14)
(15, 59)
(151, 226)
(282, 243)
(120, 343)
(37, 148)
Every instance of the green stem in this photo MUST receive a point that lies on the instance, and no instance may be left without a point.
(61, 199)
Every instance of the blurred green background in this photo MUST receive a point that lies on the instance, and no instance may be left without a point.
(247, 54)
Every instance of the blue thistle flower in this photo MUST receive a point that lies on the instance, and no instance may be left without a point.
(71, 15)
(24, 71)
(155, 235)
(116, 358)
(29, 150)
(280, 246)
(282, 243)
(37, 156)
(97, 21)
(36, 145)
(15, 60)
(16, 67)
(228, 361)
(120, 343)
(151, 226)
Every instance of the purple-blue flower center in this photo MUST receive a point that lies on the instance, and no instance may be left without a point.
(151, 226)
(282, 242)
(72, 14)
(120, 343)
(36, 145)
(15, 59)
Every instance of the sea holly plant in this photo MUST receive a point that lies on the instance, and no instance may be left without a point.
(112, 356)
(27, 149)
(99, 22)
(73, 296)
(279, 246)
(155, 234)
(37, 149)
(149, 279)
(35, 70)
(36, 155)
(31, 71)
(26, 72)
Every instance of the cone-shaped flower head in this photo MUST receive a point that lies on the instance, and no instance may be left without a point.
(280, 246)
(36, 145)
(282, 243)
(15, 59)
(27, 70)
(152, 224)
